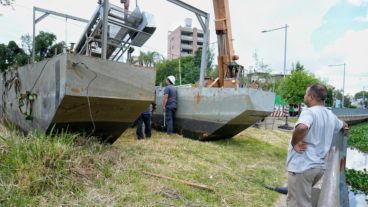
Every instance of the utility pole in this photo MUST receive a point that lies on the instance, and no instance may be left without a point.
(180, 70)
(343, 83)
(363, 97)
(286, 125)
(285, 44)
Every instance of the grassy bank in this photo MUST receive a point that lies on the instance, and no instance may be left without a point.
(358, 137)
(40, 170)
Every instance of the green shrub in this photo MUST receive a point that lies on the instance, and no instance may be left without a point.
(358, 136)
(357, 179)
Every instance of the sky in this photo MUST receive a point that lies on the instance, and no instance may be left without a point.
(320, 33)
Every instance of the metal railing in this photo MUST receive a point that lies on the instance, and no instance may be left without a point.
(349, 112)
(334, 191)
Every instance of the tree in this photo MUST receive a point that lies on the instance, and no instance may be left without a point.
(210, 70)
(292, 88)
(26, 43)
(3, 62)
(12, 51)
(338, 96)
(12, 55)
(164, 69)
(45, 47)
(44, 41)
(363, 95)
(189, 67)
(259, 65)
(147, 59)
(56, 49)
(329, 98)
(152, 58)
(297, 67)
(364, 103)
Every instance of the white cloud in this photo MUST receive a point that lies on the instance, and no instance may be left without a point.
(357, 2)
(361, 19)
(248, 19)
(350, 49)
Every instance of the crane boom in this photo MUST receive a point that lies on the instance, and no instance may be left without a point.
(227, 68)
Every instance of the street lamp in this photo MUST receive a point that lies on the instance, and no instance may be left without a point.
(284, 27)
(343, 82)
(286, 126)
(363, 97)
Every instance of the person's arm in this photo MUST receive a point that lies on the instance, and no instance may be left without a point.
(297, 140)
(345, 128)
(164, 101)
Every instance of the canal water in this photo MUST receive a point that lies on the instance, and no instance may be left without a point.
(357, 160)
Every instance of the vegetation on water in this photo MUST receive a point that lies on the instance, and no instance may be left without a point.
(70, 170)
(358, 180)
(358, 137)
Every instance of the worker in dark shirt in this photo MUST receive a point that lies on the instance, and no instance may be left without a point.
(169, 104)
(145, 118)
(126, 4)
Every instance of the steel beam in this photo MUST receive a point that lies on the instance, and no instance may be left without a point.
(205, 26)
(61, 14)
(188, 7)
(46, 13)
(104, 28)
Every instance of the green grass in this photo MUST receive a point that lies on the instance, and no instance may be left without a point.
(358, 137)
(68, 170)
(358, 180)
(293, 119)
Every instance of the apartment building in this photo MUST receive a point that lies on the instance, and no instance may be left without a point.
(184, 40)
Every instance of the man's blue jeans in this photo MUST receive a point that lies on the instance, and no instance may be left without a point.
(169, 119)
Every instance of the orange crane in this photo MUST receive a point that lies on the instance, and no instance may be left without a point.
(228, 69)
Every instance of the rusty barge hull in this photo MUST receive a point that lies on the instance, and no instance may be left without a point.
(78, 94)
(215, 113)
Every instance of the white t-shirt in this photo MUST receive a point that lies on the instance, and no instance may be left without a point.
(322, 125)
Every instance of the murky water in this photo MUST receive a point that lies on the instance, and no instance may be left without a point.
(358, 161)
(357, 200)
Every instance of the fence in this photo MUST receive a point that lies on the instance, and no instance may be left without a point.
(334, 191)
(351, 115)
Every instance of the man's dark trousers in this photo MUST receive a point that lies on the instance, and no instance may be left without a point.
(146, 119)
(169, 119)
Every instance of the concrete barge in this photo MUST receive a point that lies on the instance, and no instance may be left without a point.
(76, 93)
(215, 113)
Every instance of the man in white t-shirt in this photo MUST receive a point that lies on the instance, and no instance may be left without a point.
(310, 143)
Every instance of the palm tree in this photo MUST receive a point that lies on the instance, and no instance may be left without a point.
(147, 59)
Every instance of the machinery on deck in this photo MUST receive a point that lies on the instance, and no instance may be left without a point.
(125, 29)
(88, 90)
(216, 109)
(228, 70)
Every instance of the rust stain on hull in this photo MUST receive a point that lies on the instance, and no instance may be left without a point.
(198, 98)
(75, 90)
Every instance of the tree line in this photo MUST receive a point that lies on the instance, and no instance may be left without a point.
(11, 55)
(291, 88)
